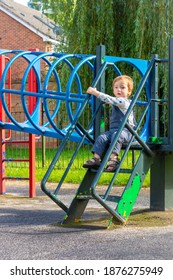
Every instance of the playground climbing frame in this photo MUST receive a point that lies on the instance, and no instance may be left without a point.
(154, 150)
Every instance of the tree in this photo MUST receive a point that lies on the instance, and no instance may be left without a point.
(128, 28)
(131, 28)
(35, 4)
(60, 11)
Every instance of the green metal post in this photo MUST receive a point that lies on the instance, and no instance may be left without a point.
(100, 54)
(154, 128)
(161, 193)
(170, 97)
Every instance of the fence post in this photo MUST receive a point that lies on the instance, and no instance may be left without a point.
(2, 136)
(32, 86)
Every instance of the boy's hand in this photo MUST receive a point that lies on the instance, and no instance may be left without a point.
(92, 91)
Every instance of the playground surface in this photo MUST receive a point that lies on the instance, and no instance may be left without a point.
(30, 229)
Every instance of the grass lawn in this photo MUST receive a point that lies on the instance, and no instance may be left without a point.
(76, 173)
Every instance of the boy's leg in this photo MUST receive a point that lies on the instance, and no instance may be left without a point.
(92, 163)
(101, 143)
(98, 150)
(112, 163)
(124, 138)
(114, 160)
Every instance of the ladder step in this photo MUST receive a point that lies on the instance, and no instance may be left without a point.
(122, 170)
(16, 178)
(126, 170)
(15, 160)
(113, 198)
(84, 196)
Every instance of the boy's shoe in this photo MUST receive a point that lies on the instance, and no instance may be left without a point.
(92, 163)
(112, 164)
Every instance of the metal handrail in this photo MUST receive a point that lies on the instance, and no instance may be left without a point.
(72, 127)
(94, 193)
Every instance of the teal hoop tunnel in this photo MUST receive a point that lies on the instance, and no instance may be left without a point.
(53, 61)
(32, 120)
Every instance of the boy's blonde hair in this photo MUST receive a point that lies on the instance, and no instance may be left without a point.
(127, 79)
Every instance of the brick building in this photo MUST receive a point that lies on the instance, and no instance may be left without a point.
(23, 28)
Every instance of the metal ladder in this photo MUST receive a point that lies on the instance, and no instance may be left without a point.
(122, 205)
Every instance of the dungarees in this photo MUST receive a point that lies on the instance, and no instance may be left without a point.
(105, 139)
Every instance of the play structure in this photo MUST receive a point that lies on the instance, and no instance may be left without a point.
(154, 149)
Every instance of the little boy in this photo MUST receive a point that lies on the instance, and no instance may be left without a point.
(122, 89)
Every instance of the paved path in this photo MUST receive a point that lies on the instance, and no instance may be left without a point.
(30, 230)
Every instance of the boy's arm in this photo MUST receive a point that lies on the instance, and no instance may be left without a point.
(106, 98)
(119, 102)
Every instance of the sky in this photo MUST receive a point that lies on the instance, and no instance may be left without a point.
(23, 2)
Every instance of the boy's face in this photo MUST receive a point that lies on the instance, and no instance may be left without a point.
(120, 89)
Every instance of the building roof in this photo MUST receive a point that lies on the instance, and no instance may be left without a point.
(34, 20)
